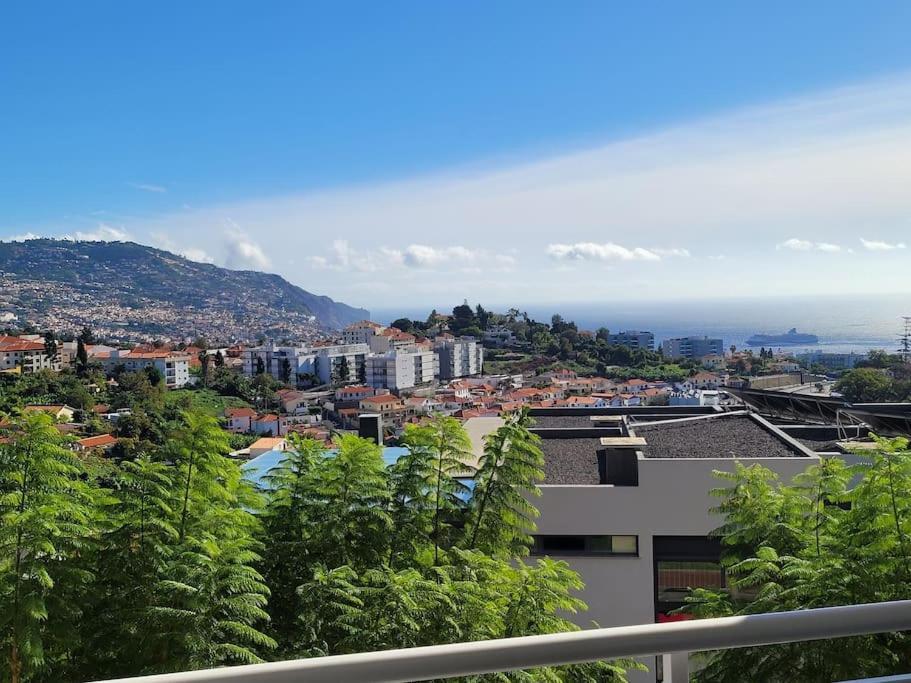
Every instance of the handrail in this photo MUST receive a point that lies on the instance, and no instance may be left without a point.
(507, 654)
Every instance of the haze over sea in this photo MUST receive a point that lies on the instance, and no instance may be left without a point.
(842, 323)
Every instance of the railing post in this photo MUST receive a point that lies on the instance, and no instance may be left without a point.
(676, 667)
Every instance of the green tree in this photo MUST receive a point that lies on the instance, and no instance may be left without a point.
(82, 358)
(211, 598)
(46, 518)
(865, 385)
(50, 347)
(512, 464)
(814, 543)
(450, 449)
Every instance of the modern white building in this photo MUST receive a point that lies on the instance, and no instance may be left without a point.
(626, 499)
(360, 332)
(692, 347)
(459, 357)
(27, 354)
(174, 366)
(633, 339)
(402, 369)
(338, 363)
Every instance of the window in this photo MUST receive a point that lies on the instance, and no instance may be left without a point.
(586, 545)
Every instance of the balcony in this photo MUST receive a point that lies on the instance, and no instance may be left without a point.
(673, 641)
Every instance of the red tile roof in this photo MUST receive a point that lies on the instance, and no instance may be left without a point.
(240, 412)
(97, 441)
(17, 344)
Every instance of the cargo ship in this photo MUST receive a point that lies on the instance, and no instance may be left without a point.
(792, 337)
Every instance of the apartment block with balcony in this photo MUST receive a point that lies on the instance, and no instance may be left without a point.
(337, 363)
(633, 340)
(174, 366)
(692, 347)
(399, 370)
(459, 357)
(25, 354)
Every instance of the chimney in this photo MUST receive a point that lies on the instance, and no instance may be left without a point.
(370, 426)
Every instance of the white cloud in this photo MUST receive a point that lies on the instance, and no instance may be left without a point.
(806, 170)
(195, 254)
(343, 257)
(673, 251)
(21, 238)
(102, 233)
(879, 245)
(590, 251)
(148, 187)
(243, 253)
(795, 244)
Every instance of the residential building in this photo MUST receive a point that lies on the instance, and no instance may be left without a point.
(704, 380)
(692, 347)
(353, 393)
(239, 419)
(401, 369)
(384, 404)
(60, 413)
(101, 443)
(499, 336)
(266, 424)
(831, 361)
(627, 503)
(173, 366)
(360, 332)
(459, 357)
(300, 364)
(633, 340)
(390, 339)
(26, 355)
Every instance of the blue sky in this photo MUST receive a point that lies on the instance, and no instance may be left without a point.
(474, 147)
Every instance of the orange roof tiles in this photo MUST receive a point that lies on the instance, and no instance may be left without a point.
(97, 441)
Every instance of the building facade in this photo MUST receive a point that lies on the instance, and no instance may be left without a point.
(338, 363)
(633, 340)
(627, 503)
(461, 357)
(403, 369)
(25, 355)
(692, 347)
(173, 366)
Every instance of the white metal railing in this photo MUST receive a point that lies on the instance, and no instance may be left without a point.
(673, 640)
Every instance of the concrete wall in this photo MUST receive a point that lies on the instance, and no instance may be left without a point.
(672, 499)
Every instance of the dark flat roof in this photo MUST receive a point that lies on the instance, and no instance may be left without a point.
(731, 436)
(570, 461)
(575, 460)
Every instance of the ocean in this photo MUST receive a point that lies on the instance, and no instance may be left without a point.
(843, 324)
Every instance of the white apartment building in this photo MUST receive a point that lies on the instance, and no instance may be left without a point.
(172, 365)
(692, 347)
(360, 332)
(402, 369)
(27, 354)
(294, 364)
(460, 357)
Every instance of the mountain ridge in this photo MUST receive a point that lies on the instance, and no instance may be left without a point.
(142, 289)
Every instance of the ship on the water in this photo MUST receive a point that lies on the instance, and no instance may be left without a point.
(792, 337)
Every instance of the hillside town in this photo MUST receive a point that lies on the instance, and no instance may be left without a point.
(447, 366)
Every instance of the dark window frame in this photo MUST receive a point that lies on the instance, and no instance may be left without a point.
(538, 548)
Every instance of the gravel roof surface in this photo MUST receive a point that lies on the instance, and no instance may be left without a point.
(725, 437)
(570, 461)
(575, 461)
